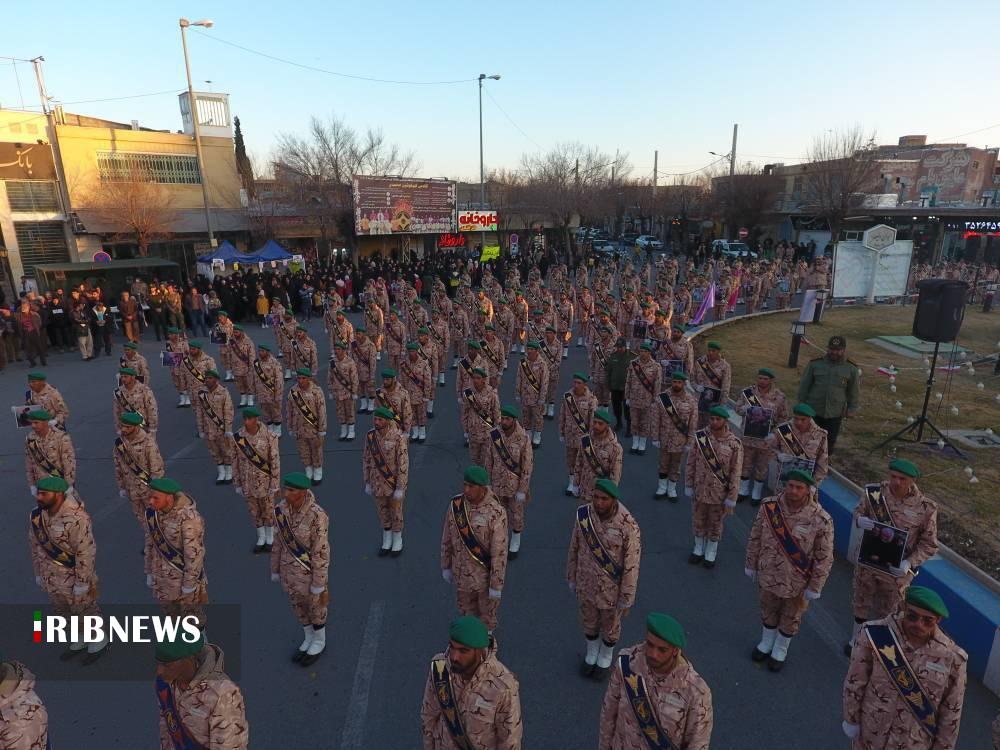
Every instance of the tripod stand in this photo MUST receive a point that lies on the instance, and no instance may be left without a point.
(923, 419)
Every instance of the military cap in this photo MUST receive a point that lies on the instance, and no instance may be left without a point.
(534, 345)
(304, 372)
(678, 327)
(660, 313)
(413, 346)
(131, 417)
(265, 347)
(424, 329)
(296, 480)
(36, 376)
(836, 342)
(476, 475)
(237, 327)
(479, 371)
(510, 411)
(719, 411)
(127, 371)
(621, 341)
(607, 487)
(666, 627)
(177, 648)
(384, 412)
(222, 313)
(678, 375)
(907, 468)
(581, 376)
(550, 329)
(646, 346)
(360, 329)
(473, 344)
(164, 484)
(39, 415)
(393, 311)
(714, 345)
(173, 329)
(212, 374)
(250, 412)
(341, 345)
(925, 598)
(469, 631)
(767, 372)
(602, 414)
(52, 484)
(388, 372)
(489, 327)
(195, 344)
(537, 312)
(130, 345)
(803, 410)
(799, 475)
(300, 327)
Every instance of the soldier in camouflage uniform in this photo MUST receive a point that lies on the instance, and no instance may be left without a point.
(178, 374)
(510, 463)
(673, 431)
(25, 724)
(385, 469)
(137, 461)
(576, 414)
(268, 387)
(494, 354)
(301, 562)
(431, 354)
(224, 326)
(306, 411)
(198, 700)
(365, 357)
(801, 438)
(530, 388)
(418, 380)
(131, 358)
(680, 703)
(46, 397)
(482, 414)
(552, 349)
(599, 457)
(175, 550)
(757, 452)
(440, 330)
(285, 333)
(341, 331)
(194, 367)
(600, 350)
(342, 381)
(131, 395)
(395, 338)
(602, 570)
(712, 371)
(258, 466)
(474, 547)
(876, 713)
(242, 354)
(470, 681)
(396, 398)
(679, 349)
(63, 555)
(47, 450)
(642, 387)
(214, 412)
(303, 351)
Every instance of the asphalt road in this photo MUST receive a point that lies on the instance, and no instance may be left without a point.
(389, 616)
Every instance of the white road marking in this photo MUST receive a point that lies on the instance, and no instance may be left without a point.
(353, 737)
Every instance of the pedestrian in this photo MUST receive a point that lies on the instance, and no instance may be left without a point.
(256, 474)
(306, 410)
(137, 462)
(303, 351)
(195, 365)
(396, 399)
(301, 562)
(176, 343)
(616, 374)
(214, 413)
(131, 358)
(655, 698)
(128, 309)
(510, 464)
(831, 386)
(385, 468)
(365, 356)
(101, 326)
(905, 686)
(461, 684)
(675, 419)
(29, 327)
(222, 335)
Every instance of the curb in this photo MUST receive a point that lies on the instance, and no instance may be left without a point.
(972, 596)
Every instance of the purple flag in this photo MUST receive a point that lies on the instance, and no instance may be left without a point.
(707, 303)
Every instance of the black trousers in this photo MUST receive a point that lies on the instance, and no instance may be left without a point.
(617, 405)
(832, 427)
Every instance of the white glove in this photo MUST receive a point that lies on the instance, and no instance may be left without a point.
(322, 434)
(368, 489)
(53, 423)
(317, 590)
(201, 435)
(79, 589)
(330, 395)
(228, 434)
(864, 522)
(34, 491)
(186, 590)
(750, 573)
(291, 434)
(149, 580)
(275, 578)
(851, 730)
(354, 398)
(656, 443)
(494, 594)
(122, 494)
(447, 576)
(730, 503)
(397, 495)
(38, 581)
(519, 497)
(688, 491)
(628, 402)
(812, 595)
(562, 439)
(902, 570)
(239, 490)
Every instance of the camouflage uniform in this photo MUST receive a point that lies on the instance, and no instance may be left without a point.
(202, 363)
(71, 590)
(210, 707)
(881, 592)
(723, 373)
(512, 487)
(304, 354)
(609, 454)
(641, 399)
(710, 494)
(132, 358)
(552, 354)
(57, 447)
(603, 600)
(51, 400)
(813, 442)
(25, 724)
(441, 338)
(310, 525)
(364, 355)
(569, 431)
(218, 438)
(242, 352)
(308, 439)
(757, 452)
(416, 377)
(598, 368)
(472, 580)
(394, 449)
(179, 592)
(476, 425)
(398, 399)
(672, 440)
(178, 374)
(145, 453)
(341, 331)
(532, 401)
(489, 706)
(872, 701)
(343, 383)
(268, 394)
(139, 398)
(395, 340)
(681, 700)
(459, 324)
(258, 487)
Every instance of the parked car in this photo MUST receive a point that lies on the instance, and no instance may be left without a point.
(648, 241)
(629, 238)
(604, 248)
(731, 249)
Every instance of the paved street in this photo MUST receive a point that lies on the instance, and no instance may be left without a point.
(389, 616)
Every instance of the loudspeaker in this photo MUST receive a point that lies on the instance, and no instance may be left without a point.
(940, 309)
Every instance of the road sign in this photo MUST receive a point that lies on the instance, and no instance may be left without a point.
(514, 239)
(744, 233)
(879, 237)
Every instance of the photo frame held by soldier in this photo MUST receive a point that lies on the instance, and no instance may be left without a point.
(708, 398)
(170, 359)
(20, 413)
(757, 422)
(218, 336)
(882, 548)
(669, 367)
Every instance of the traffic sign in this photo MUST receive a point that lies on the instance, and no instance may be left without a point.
(744, 233)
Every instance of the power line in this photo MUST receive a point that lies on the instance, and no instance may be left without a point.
(510, 120)
(315, 69)
(693, 171)
(971, 132)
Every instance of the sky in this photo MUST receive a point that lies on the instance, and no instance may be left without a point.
(631, 76)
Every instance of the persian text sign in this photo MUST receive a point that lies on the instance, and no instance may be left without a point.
(398, 205)
(477, 221)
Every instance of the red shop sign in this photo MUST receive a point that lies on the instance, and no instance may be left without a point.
(451, 240)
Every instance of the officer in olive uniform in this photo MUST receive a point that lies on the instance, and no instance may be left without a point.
(831, 385)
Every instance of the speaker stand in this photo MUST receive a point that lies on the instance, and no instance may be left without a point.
(923, 420)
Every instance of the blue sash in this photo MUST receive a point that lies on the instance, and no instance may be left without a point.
(601, 556)
(178, 733)
(59, 556)
(890, 655)
(642, 707)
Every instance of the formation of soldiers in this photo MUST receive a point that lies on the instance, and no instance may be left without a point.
(655, 697)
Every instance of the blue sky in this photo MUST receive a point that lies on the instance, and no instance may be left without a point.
(636, 76)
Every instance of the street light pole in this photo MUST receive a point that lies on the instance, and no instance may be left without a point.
(482, 171)
(193, 104)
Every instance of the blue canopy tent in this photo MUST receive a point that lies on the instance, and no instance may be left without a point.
(270, 251)
(225, 252)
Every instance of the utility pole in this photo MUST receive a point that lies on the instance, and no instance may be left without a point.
(732, 179)
(732, 154)
(652, 217)
(193, 103)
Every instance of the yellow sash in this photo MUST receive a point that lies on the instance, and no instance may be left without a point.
(304, 408)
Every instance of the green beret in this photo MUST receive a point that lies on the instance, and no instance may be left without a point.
(607, 487)
(678, 375)
(767, 372)
(413, 346)
(304, 372)
(265, 347)
(424, 329)
(195, 344)
(714, 345)
(469, 631)
(127, 371)
(666, 627)
(476, 475)
(581, 376)
(660, 313)
(643, 305)
(163, 484)
(925, 598)
(52, 484)
(534, 345)
(602, 414)
(300, 327)
(479, 371)
(212, 374)
(393, 311)
(340, 345)
(388, 372)
(473, 344)
(646, 346)
(250, 412)
(39, 415)
(296, 480)
(550, 329)
(489, 327)
(719, 411)
(130, 345)
(678, 327)
(222, 313)
(510, 411)
(384, 413)
(237, 327)
(907, 468)
(800, 475)
(131, 417)
(174, 330)
(361, 329)
(537, 312)
(804, 410)
(36, 376)
(177, 648)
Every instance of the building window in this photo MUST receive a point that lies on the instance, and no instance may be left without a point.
(40, 242)
(167, 169)
(32, 195)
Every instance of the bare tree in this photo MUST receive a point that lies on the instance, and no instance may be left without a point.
(745, 197)
(140, 210)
